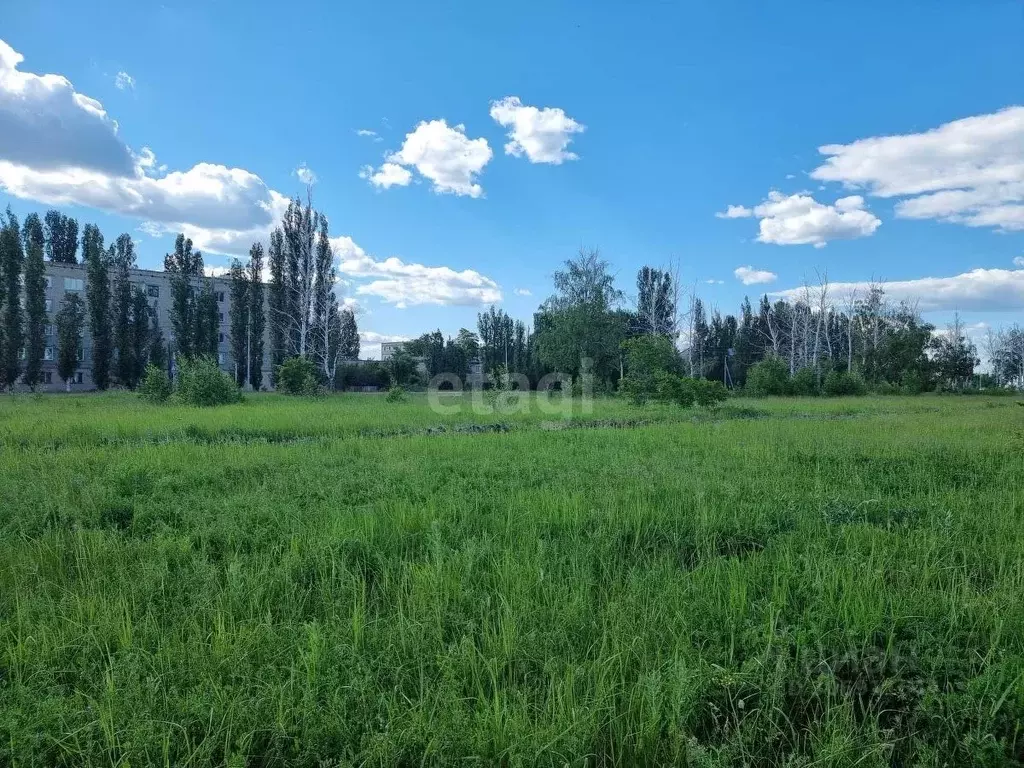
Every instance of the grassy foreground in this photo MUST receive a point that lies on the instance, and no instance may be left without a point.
(341, 582)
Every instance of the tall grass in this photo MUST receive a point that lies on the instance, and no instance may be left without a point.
(827, 584)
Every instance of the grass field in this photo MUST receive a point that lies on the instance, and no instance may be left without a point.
(352, 582)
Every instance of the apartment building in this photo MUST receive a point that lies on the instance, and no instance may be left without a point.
(62, 279)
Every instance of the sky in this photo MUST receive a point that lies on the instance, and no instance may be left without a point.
(462, 151)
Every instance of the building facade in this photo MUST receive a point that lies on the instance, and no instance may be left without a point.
(63, 279)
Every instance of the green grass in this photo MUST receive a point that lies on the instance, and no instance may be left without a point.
(341, 582)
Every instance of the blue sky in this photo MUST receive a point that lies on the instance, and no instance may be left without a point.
(632, 130)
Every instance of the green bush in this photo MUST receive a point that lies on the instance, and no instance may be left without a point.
(709, 394)
(201, 382)
(768, 377)
(840, 383)
(350, 375)
(298, 376)
(155, 386)
(395, 395)
(885, 388)
(804, 383)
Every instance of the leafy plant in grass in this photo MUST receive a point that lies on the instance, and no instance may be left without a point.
(298, 376)
(201, 382)
(839, 383)
(768, 377)
(156, 386)
(395, 395)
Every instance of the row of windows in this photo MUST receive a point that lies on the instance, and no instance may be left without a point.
(153, 291)
(79, 377)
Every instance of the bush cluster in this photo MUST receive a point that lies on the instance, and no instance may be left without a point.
(666, 387)
(156, 385)
(201, 382)
(298, 376)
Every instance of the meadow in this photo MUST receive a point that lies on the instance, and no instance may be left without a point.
(346, 581)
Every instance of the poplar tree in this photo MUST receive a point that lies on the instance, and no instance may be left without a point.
(239, 319)
(141, 314)
(70, 319)
(122, 259)
(184, 266)
(97, 296)
(35, 300)
(257, 316)
(61, 238)
(11, 334)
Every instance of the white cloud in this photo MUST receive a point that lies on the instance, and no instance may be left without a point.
(543, 135)
(523, 292)
(801, 220)
(367, 133)
(735, 212)
(124, 82)
(750, 276)
(387, 176)
(993, 290)
(439, 152)
(306, 175)
(407, 284)
(216, 271)
(968, 171)
(715, 282)
(60, 148)
(1018, 261)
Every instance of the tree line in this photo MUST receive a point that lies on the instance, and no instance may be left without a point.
(810, 341)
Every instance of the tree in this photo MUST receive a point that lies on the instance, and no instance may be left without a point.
(61, 238)
(206, 315)
(238, 281)
(656, 302)
(157, 345)
(349, 343)
(185, 267)
(35, 300)
(11, 331)
(277, 302)
(70, 321)
(955, 355)
(97, 296)
(141, 317)
(257, 317)
(121, 257)
(577, 323)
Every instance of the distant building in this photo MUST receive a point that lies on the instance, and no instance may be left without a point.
(388, 349)
(62, 279)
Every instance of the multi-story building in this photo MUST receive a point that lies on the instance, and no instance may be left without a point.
(62, 279)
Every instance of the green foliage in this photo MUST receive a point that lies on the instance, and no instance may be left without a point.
(395, 395)
(709, 394)
(97, 299)
(70, 320)
(298, 376)
(840, 383)
(803, 383)
(61, 238)
(12, 329)
(770, 377)
(201, 382)
(35, 300)
(156, 385)
(359, 375)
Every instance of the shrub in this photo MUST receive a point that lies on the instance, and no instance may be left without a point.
(362, 375)
(839, 383)
(297, 376)
(885, 388)
(201, 382)
(709, 394)
(155, 386)
(768, 377)
(395, 395)
(804, 382)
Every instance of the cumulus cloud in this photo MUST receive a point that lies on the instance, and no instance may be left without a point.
(712, 281)
(523, 292)
(969, 171)
(387, 176)
(543, 135)
(367, 133)
(306, 175)
(750, 276)
(124, 82)
(1018, 261)
(992, 290)
(735, 212)
(61, 148)
(407, 284)
(438, 152)
(801, 220)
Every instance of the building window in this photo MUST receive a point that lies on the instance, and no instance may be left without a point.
(220, 338)
(220, 358)
(153, 291)
(47, 377)
(48, 353)
(220, 297)
(73, 284)
(49, 282)
(220, 316)
(49, 305)
(78, 378)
